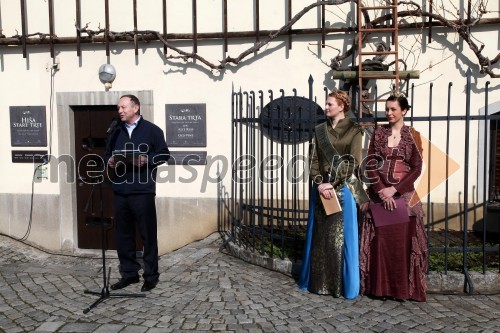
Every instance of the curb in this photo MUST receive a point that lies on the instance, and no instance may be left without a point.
(437, 282)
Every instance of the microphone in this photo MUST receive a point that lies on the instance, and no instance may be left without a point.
(112, 125)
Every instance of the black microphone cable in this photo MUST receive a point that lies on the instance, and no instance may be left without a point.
(45, 159)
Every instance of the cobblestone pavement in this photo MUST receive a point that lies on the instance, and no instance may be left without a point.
(202, 289)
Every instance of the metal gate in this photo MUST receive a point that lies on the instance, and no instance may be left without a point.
(265, 208)
(269, 191)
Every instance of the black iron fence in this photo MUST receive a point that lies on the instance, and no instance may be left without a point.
(265, 207)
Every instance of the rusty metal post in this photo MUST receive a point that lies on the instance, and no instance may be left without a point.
(23, 27)
(136, 48)
(257, 21)
(106, 36)
(323, 25)
(79, 25)
(225, 26)
(430, 21)
(51, 28)
(289, 19)
(164, 14)
(195, 28)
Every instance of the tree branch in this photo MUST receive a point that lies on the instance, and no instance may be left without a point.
(462, 27)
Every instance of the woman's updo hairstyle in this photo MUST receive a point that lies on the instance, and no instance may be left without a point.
(342, 98)
(401, 99)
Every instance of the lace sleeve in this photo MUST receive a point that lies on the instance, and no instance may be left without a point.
(414, 160)
(374, 154)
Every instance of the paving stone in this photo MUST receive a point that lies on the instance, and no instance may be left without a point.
(109, 328)
(203, 289)
(134, 329)
(78, 327)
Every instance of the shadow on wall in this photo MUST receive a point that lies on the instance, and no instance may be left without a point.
(491, 224)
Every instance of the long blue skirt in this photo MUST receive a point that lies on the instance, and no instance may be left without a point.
(350, 269)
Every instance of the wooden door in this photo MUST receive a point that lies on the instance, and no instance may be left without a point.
(93, 189)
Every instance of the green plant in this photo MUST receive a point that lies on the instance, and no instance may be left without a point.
(455, 261)
(292, 246)
(453, 242)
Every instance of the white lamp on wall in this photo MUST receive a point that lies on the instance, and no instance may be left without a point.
(107, 74)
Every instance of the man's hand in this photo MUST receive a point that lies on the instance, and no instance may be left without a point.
(140, 160)
(111, 162)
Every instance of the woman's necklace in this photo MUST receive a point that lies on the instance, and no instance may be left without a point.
(394, 139)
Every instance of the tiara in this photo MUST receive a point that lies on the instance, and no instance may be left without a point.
(397, 93)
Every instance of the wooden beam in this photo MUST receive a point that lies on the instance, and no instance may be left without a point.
(207, 35)
(349, 75)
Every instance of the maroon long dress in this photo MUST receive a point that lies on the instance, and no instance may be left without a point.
(393, 258)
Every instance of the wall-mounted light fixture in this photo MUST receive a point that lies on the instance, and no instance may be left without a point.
(107, 74)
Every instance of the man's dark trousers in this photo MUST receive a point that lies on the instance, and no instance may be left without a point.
(140, 208)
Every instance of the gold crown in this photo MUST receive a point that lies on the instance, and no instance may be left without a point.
(397, 93)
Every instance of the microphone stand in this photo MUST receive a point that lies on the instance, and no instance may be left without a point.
(104, 293)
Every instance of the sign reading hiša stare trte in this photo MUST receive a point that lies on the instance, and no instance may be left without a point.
(28, 126)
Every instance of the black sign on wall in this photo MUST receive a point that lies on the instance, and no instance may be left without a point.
(188, 157)
(28, 126)
(186, 125)
(29, 156)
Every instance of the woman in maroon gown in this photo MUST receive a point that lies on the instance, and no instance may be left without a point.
(393, 257)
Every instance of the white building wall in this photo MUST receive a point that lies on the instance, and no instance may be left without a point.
(27, 81)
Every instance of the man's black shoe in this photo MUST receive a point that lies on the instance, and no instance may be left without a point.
(124, 282)
(149, 285)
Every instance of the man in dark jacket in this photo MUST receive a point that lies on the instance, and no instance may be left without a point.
(136, 147)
